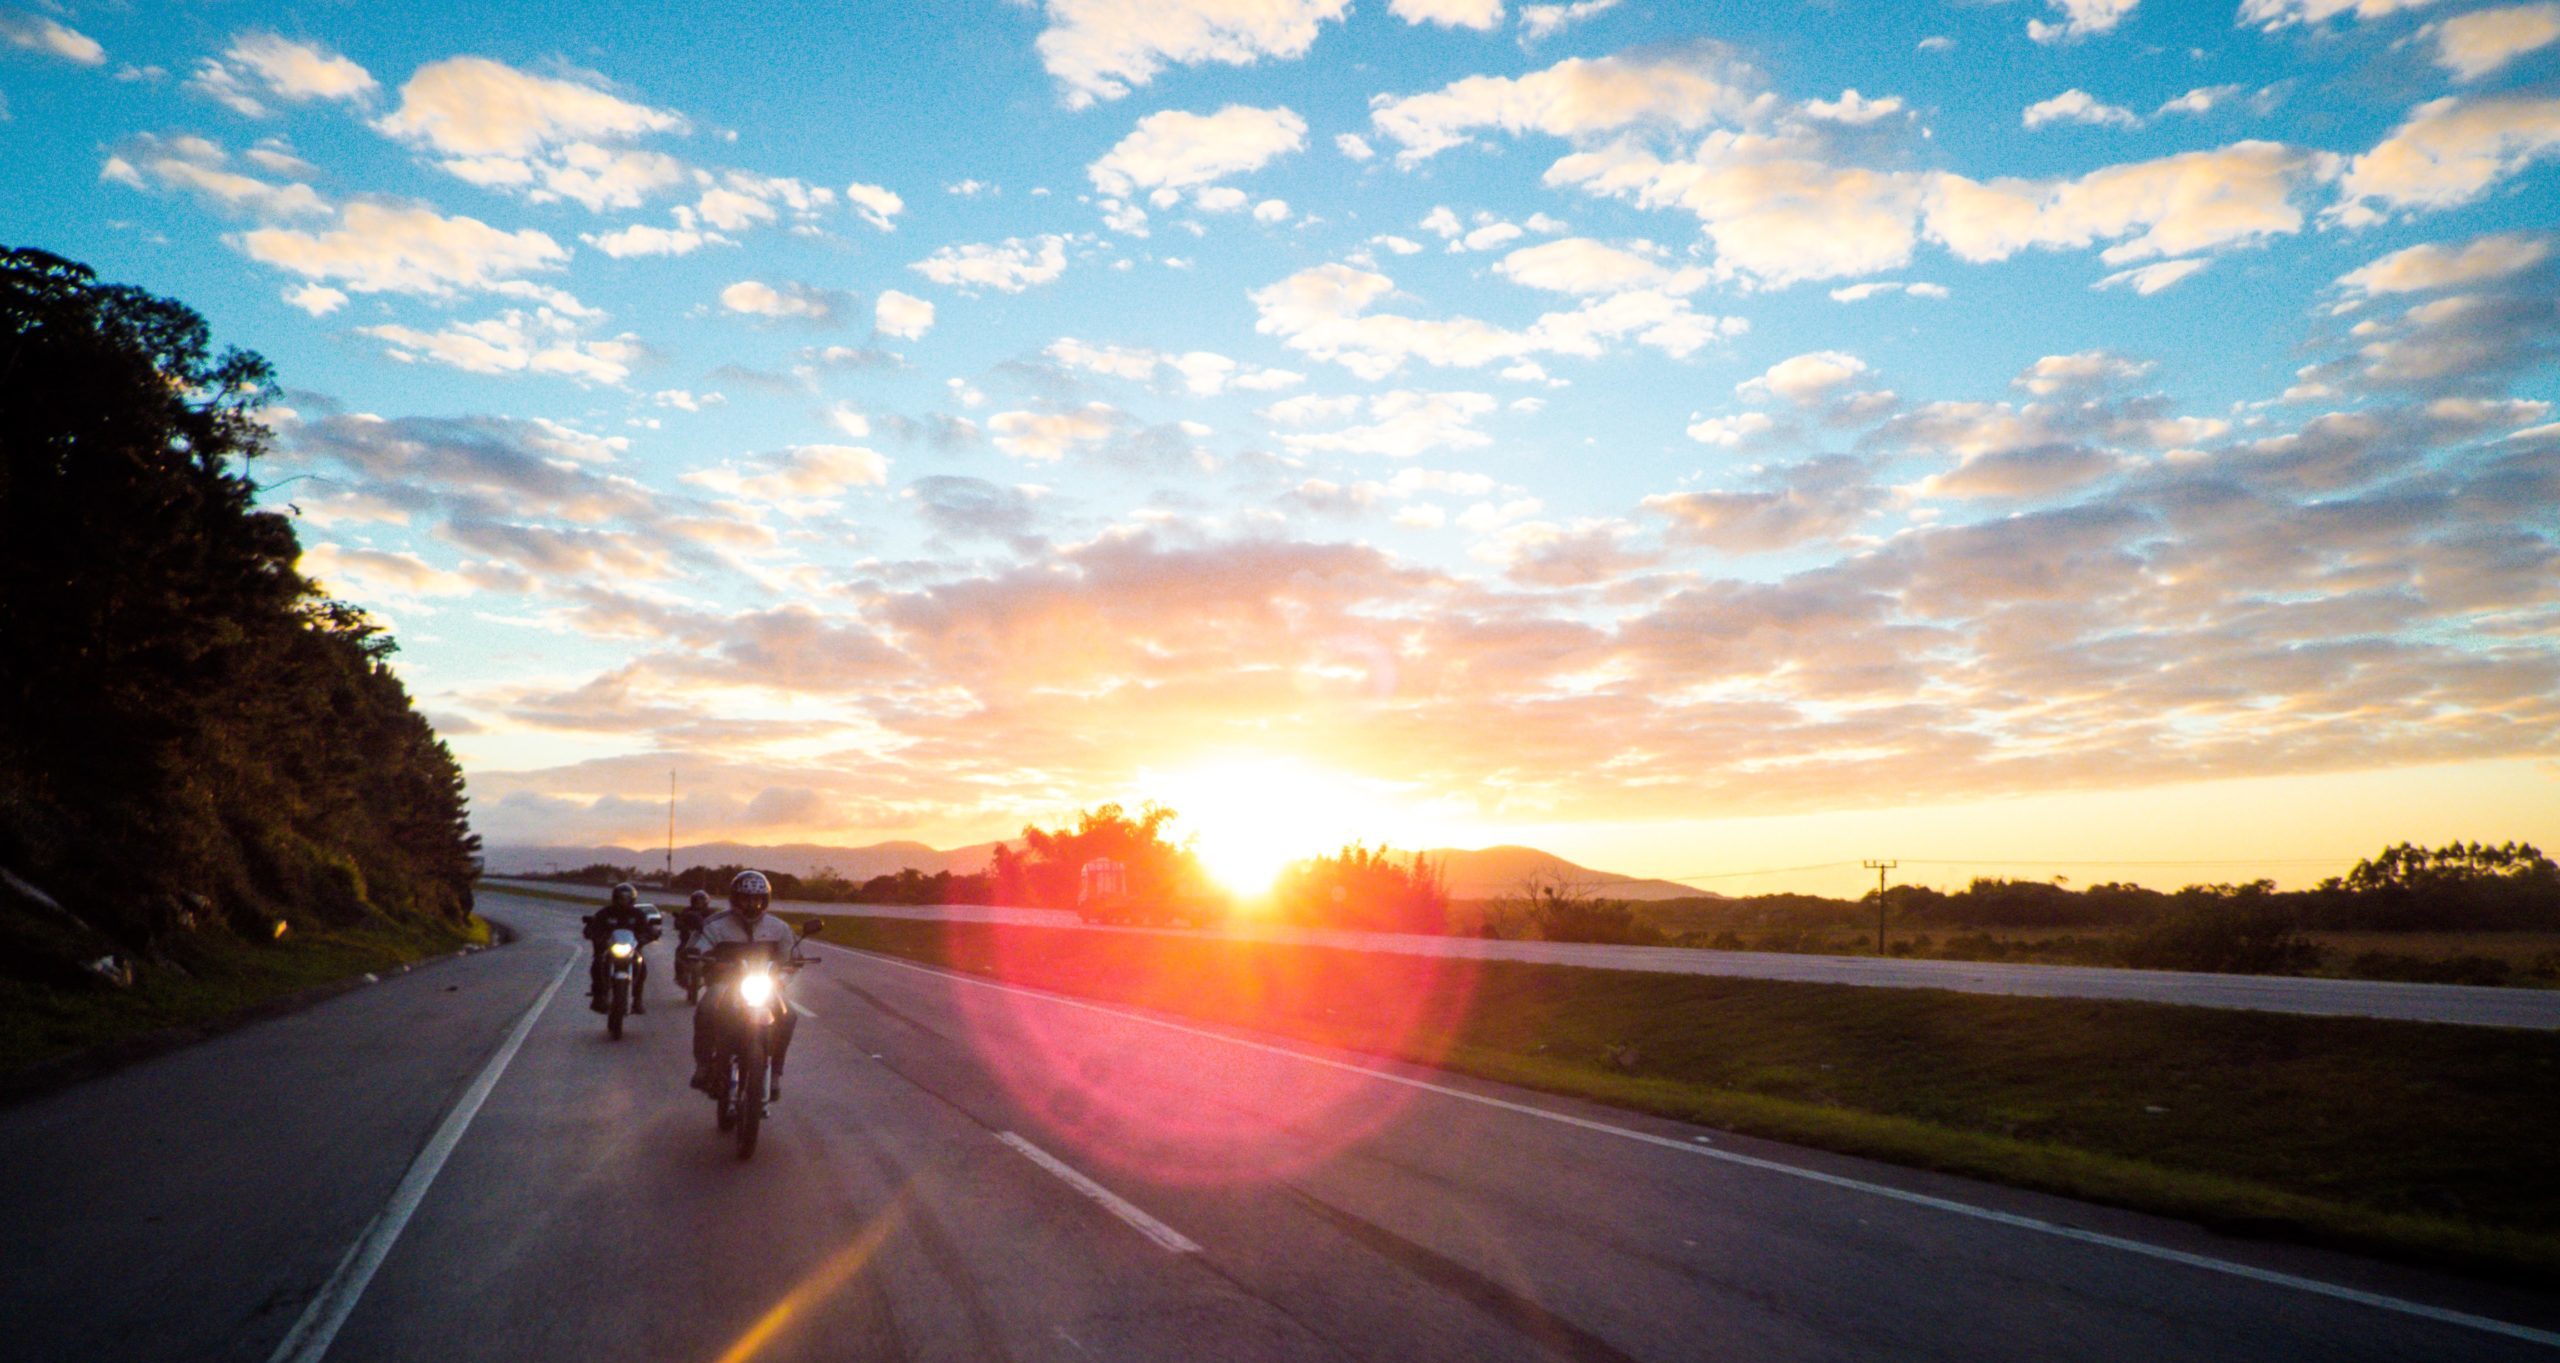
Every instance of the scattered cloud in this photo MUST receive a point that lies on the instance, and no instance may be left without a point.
(1574, 98)
(36, 33)
(1010, 266)
(1101, 49)
(2080, 19)
(2079, 106)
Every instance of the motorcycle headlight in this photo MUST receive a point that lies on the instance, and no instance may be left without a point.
(756, 988)
(620, 948)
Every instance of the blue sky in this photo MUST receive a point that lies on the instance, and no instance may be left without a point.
(1616, 425)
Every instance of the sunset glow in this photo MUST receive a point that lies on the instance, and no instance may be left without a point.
(1695, 439)
(1252, 816)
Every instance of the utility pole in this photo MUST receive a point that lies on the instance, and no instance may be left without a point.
(671, 830)
(1880, 867)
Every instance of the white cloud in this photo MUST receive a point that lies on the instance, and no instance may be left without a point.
(2424, 268)
(391, 248)
(1540, 22)
(200, 167)
(2272, 15)
(800, 479)
(1271, 211)
(2081, 19)
(474, 107)
(1404, 423)
(902, 315)
(2147, 280)
(2082, 371)
(1100, 49)
(514, 342)
(317, 299)
(1573, 98)
(35, 33)
(1859, 293)
(1049, 436)
(2175, 205)
(1579, 265)
(2449, 152)
(1853, 108)
(2475, 44)
(791, 301)
(1009, 267)
(2204, 99)
(1729, 432)
(1354, 146)
(292, 71)
(1325, 312)
(1805, 379)
(640, 239)
(2078, 106)
(1938, 42)
(1484, 16)
(1776, 208)
(878, 207)
(1175, 150)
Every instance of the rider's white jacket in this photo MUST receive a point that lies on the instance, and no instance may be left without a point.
(727, 926)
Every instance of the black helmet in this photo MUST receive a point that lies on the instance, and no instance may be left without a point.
(701, 900)
(750, 894)
(625, 895)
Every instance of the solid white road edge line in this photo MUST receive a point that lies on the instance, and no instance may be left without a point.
(2209, 1264)
(310, 1337)
(1117, 1205)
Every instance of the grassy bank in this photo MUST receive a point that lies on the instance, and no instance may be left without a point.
(2422, 1142)
(220, 980)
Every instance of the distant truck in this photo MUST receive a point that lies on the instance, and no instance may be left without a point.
(1103, 896)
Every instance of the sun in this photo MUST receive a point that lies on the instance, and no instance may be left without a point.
(1252, 816)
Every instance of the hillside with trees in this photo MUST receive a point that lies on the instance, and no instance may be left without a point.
(199, 751)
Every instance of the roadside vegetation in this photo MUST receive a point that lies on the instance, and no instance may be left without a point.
(213, 787)
(2464, 913)
(2425, 1142)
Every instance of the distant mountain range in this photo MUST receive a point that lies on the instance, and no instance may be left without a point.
(1483, 873)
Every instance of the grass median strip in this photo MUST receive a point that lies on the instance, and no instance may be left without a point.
(223, 979)
(2422, 1142)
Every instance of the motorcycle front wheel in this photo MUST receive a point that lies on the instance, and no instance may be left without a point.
(616, 1007)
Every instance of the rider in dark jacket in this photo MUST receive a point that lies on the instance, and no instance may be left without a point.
(623, 911)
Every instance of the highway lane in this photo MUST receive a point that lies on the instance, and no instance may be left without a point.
(1272, 1202)
(2468, 1005)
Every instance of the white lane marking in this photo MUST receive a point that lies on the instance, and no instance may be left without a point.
(310, 1337)
(1118, 1206)
(2401, 1305)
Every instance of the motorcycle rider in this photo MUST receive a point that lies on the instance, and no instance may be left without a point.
(691, 917)
(622, 911)
(747, 921)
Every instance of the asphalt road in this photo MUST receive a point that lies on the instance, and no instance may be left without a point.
(2467, 1005)
(455, 1164)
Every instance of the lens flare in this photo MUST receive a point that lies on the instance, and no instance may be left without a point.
(1120, 1085)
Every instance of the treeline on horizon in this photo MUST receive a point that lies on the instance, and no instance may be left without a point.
(2249, 927)
(195, 742)
(1357, 887)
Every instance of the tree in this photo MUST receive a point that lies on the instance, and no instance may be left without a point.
(1044, 873)
(1366, 889)
(190, 734)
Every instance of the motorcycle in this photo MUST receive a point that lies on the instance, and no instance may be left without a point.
(743, 1045)
(622, 959)
(690, 973)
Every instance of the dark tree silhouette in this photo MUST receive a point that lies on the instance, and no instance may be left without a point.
(191, 737)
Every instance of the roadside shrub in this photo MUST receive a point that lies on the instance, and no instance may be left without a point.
(2225, 929)
(1562, 916)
